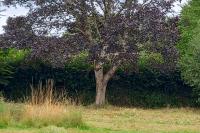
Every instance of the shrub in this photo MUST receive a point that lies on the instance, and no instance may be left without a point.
(8, 59)
(5, 72)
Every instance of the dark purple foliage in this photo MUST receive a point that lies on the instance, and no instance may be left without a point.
(112, 31)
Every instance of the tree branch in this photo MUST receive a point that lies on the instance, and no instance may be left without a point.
(110, 74)
(95, 15)
(107, 8)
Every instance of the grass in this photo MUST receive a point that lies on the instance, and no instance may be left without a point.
(121, 120)
(145, 120)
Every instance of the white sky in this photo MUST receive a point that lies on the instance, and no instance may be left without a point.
(13, 12)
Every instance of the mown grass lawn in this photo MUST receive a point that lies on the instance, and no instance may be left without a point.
(127, 120)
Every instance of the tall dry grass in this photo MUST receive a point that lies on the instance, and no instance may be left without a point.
(44, 107)
(47, 94)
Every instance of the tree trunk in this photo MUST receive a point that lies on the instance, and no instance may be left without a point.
(101, 84)
(101, 95)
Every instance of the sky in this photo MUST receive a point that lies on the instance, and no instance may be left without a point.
(11, 12)
(20, 11)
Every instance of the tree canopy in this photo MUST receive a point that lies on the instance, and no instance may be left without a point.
(112, 30)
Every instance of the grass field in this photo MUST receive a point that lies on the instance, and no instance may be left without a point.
(124, 120)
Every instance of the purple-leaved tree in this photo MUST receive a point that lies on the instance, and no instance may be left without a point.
(112, 32)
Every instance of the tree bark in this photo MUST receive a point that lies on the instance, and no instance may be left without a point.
(101, 83)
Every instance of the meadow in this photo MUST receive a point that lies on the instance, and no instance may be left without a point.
(48, 118)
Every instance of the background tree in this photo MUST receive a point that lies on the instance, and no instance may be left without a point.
(189, 45)
(112, 32)
(189, 19)
(190, 64)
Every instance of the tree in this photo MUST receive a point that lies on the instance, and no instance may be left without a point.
(189, 19)
(190, 64)
(189, 45)
(113, 32)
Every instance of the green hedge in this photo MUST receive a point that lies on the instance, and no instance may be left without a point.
(146, 88)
